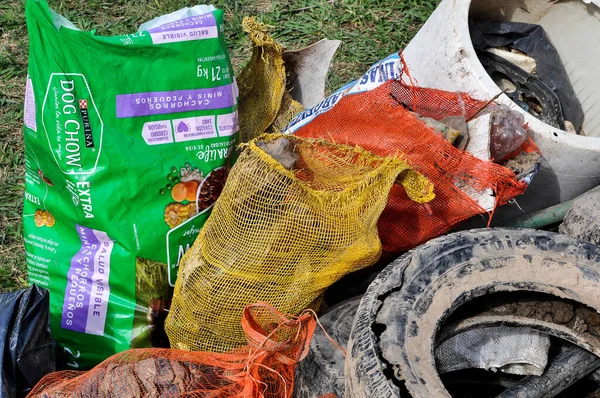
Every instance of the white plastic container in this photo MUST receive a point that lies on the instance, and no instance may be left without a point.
(442, 56)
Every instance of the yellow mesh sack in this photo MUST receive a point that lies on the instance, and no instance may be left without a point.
(282, 232)
(264, 103)
(289, 108)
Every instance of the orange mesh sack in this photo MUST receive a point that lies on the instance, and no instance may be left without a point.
(294, 217)
(384, 122)
(262, 368)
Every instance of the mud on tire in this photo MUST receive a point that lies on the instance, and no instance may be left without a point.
(582, 221)
(322, 371)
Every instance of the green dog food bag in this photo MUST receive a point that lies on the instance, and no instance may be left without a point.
(128, 142)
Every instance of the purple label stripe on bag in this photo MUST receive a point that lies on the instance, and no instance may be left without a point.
(86, 295)
(161, 102)
(192, 28)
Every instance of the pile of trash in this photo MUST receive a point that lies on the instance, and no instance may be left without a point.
(182, 229)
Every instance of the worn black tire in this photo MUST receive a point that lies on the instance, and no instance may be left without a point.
(322, 371)
(582, 220)
(390, 351)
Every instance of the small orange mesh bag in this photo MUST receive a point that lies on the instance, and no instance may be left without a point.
(263, 368)
(381, 122)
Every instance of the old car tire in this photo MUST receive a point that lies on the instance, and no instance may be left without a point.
(322, 371)
(582, 221)
(390, 350)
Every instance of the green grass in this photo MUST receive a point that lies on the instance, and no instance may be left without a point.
(369, 30)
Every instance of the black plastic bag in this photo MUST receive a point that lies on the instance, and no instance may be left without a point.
(25, 341)
(530, 90)
(533, 41)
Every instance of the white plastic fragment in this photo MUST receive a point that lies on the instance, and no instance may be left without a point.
(513, 350)
(523, 61)
(307, 71)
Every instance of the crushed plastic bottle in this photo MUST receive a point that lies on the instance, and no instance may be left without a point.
(507, 132)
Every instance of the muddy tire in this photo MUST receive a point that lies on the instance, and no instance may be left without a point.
(322, 371)
(390, 350)
(582, 221)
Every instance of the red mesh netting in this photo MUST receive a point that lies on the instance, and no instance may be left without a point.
(381, 121)
(263, 368)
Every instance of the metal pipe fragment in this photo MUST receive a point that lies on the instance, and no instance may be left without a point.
(544, 217)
